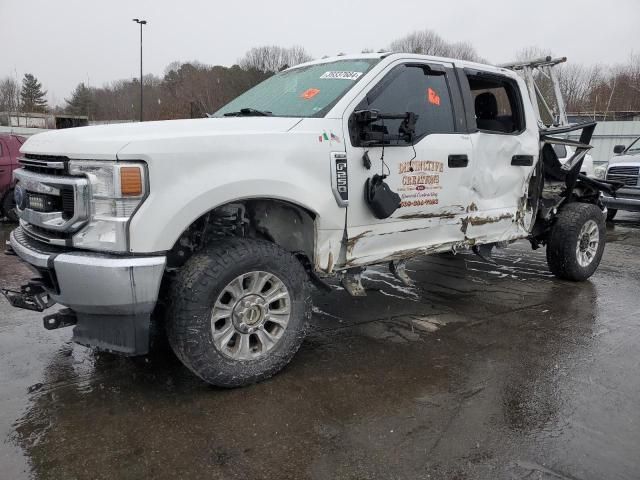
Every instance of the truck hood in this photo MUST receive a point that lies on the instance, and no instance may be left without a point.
(105, 141)
(629, 158)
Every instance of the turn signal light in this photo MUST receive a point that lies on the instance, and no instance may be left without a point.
(130, 181)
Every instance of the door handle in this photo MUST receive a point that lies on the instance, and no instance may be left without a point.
(458, 161)
(522, 160)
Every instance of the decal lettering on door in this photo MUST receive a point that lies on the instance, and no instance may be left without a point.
(420, 182)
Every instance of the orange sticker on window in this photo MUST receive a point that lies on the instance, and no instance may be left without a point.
(310, 93)
(433, 97)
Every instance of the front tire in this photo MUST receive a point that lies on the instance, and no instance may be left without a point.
(239, 311)
(576, 242)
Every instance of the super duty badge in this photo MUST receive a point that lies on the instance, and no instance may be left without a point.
(340, 178)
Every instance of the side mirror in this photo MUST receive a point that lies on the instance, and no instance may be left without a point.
(369, 133)
(618, 149)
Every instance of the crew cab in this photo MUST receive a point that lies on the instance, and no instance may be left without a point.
(624, 167)
(9, 148)
(216, 228)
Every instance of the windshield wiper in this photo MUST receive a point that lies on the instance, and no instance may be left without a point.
(248, 112)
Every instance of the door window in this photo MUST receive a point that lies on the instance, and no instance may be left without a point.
(497, 104)
(417, 89)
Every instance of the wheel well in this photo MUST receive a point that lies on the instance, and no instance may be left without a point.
(288, 225)
(3, 197)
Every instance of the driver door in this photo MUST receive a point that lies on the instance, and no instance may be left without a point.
(432, 174)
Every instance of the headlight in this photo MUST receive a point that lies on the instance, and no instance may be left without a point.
(117, 189)
(601, 171)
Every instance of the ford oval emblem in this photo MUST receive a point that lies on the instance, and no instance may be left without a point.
(20, 196)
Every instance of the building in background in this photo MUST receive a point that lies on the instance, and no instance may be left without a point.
(42, 120)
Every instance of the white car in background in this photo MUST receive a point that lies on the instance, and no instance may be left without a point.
(565, 152)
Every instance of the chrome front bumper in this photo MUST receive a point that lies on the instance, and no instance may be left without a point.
(94, 283)
(626, 199)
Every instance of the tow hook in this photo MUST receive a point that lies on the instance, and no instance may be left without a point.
(64, 318)
(31, 296)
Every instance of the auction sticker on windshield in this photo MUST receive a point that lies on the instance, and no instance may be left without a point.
(341, 75)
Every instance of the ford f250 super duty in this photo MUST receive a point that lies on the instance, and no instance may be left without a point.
(215, 228)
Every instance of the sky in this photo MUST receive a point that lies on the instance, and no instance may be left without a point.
(65, 42)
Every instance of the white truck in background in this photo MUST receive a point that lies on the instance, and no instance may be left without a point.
(215, 228)
(624, 168)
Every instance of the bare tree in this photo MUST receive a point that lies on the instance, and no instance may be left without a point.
(463, 51)
(9, 95)
(271, 58)
(425, 42)
(573, 80)
(532, 52)
(428, 42)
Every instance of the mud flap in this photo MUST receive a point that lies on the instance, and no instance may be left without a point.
(122, 334)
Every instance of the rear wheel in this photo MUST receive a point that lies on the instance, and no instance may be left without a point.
(576, 242)
(611, 213)
(9, 206)
(239, 312)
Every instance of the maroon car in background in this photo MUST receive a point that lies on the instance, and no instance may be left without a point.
(9, 147)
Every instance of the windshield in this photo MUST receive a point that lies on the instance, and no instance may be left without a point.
(301, 92)
(635, 146)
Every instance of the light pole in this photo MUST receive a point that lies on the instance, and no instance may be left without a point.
(141, 23)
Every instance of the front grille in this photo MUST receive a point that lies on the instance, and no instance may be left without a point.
(628, 175)
(47, 236)
(43, 164)
(68, 203)
(50, 212)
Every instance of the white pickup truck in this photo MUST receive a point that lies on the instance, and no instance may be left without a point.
(215, 228)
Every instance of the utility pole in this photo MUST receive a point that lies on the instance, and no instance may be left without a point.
(141, 23)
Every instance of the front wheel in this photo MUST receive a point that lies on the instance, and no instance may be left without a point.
(576, 242)
(239, 311)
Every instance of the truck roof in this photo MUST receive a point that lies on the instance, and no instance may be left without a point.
(398, 55)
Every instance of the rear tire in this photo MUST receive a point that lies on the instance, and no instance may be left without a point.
(9, 207)
(576, 242)
(611, 213)
(238, 311)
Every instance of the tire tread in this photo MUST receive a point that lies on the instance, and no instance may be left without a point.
(198, 278)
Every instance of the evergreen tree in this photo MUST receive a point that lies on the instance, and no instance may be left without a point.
(81, 101)
(32, 96)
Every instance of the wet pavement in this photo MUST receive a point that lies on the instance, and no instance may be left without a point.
(479, 371)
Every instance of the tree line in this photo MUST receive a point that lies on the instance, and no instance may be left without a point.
(192, 89)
